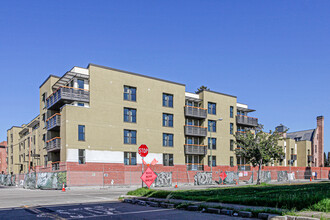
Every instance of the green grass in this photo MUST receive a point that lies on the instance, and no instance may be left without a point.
(298, 197)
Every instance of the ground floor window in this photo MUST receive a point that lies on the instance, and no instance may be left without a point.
(194, 162)
(231, 161)
(213, 161)
(82, 156)
(130, 158)
(168, 159)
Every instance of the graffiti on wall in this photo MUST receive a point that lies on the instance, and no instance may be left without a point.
(163, 179)
(29, 181)
(203, 178)
(51, 180)
(265, 176)
(291, 176)
(282, 176)
(231, 178)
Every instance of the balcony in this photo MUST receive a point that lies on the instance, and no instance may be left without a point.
(53, 144)
(191, 111)
(309, 158)
(246, 121)
(66, 95)
(293, 156)
(192, 130)
(54, 122)
(195, 149)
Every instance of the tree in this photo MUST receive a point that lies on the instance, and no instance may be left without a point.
(259, 148)
(201, 89)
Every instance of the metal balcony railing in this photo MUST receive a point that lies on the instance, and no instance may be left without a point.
(54, 121)
(195, 149)
(192, 130)
(196, 112)
(246, 120)
(53, 144)
(64, 95)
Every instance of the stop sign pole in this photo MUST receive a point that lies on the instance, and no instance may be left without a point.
(143, 151)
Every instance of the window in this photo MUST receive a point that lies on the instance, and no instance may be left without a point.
(291, 150)
(168, 159)
(81, 104)
(130, 115)
(167, 140)
(211, 108)
(129, 137)
(212, 125)
(80, 83)
(193, 140)
(231, 111)
(45, 160)
(167, 120)
(231, 145)
(82, 156)
(81, 132)
(44, 117)
(167, 100)
(212, 142)
(44, 137)
(231, 128)
(213, 161)
(44, 97)
(130, 158)
(231, 161)
(129, 93)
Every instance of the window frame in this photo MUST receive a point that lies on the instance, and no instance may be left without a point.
(231, 128)
(214, 145)
(79, 85)
(231, 111)
(169, 160)
(168, 140)
(231, 145)
(214, 127)
(167, 120)
(211, 108)
(130, 93)
(214, 159)
(130, 136)
(129, 156)
(131, 116)
(231, 161)
(83, 133)
(81, 158)
(168, 103)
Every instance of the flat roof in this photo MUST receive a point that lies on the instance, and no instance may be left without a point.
(136, 74)
(217, 93)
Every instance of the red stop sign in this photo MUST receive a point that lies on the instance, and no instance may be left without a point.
(143, 150)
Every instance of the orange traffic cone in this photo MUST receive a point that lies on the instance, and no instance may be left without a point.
(236, 182)
(310, 179)
(63, 188)
(176, 186)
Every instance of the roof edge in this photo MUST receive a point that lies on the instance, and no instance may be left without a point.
(48, 79)
(136, 74)
(217, 93)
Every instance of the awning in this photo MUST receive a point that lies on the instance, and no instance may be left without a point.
(67, 77)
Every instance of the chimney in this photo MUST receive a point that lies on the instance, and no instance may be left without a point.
(320, 140)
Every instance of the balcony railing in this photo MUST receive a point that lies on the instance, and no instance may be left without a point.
(53, 144)
(293, 156)
(309, 158)
(195, 130)
(54, 121)
(65, 95)
(195, 166)
(196, 112)
(246, 120)
(195, 149)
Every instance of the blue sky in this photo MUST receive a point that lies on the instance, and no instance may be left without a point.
(273, 55)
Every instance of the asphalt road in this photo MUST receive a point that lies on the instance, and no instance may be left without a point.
(18, 203)
(109, 210)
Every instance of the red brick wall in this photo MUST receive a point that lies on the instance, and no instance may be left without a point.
(3, 156)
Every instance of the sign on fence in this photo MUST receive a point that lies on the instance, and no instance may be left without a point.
(148, 177)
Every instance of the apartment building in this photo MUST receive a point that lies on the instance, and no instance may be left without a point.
(3, 157)
(302, 148)
(99, 115)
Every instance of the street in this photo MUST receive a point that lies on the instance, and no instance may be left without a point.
(18, 203)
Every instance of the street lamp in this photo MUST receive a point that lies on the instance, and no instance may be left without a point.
(210, 142)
